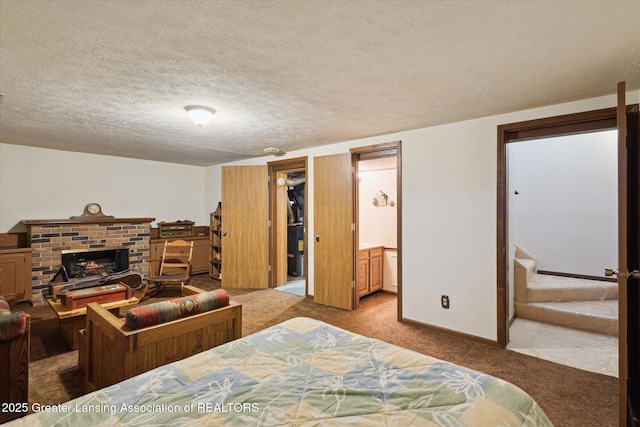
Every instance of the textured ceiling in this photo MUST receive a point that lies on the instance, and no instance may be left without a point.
(112, 77)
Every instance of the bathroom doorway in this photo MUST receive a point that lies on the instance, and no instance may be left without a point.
(376, 199)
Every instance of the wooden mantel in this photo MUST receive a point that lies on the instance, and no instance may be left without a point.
(87, 220)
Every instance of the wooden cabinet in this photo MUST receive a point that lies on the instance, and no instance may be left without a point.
(369, 270)
(15, 273)
(199, 257)
(215, 244)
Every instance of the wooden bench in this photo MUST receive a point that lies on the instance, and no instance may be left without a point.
(111, 352)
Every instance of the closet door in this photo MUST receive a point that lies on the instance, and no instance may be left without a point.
(245, 227)
(334, 279)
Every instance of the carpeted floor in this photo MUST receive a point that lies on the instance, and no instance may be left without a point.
(569, 396)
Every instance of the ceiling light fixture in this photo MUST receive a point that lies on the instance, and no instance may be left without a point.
(199, 114)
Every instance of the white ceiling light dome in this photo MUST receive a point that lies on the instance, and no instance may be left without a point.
(199, 114)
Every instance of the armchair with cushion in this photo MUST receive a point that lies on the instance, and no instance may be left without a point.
(155, 334)
(14, 361)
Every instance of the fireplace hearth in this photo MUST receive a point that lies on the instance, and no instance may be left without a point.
(95, 262)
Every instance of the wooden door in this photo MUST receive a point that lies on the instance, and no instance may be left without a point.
(279, 221)
(333, 231)
(628, 262)
(245, 227)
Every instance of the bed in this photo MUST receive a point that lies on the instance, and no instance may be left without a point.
(302, 372)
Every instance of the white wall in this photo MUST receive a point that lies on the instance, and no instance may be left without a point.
(38, 183)
(449, 181)
(564, 213)
(378, 224)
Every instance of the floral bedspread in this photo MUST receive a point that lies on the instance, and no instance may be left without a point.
(303, 372)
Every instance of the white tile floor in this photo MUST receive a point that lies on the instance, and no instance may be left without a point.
(296, 287)
(572, 347)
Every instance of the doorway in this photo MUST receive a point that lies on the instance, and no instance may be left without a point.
(572, 124)
(611, 118)
(288, 226)
(376, 198)
(335, 227)
(378, 221)
(562, 224)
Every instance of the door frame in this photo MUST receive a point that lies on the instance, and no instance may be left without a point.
(569, 124)
(296, 164)
(371, 152)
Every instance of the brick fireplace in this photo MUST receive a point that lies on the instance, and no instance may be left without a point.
(49, 238)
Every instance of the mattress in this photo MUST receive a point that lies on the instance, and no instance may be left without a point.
(302, 372)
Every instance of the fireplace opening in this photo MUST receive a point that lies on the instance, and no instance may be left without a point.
(95, 262)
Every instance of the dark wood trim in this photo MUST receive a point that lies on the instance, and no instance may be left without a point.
(502, 291)
(399, 236)
(376, 151)
(451, 332)
(577, 276)
(355, 197)
(292, 164)
(633, 260)
(569, 124)
(86, 220)
(623, 362)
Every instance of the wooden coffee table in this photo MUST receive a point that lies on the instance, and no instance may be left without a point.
(71, 321)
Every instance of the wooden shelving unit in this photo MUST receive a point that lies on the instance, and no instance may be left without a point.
(215, 244)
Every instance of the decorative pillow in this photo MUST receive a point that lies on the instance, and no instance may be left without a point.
(166, 311)
(12, 325)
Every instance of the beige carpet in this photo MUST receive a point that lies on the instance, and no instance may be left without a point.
(569, 396)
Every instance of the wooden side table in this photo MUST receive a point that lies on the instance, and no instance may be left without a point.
(71, 321)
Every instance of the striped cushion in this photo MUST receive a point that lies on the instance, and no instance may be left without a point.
(166, 311)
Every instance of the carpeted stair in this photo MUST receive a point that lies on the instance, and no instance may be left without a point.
(575, 303)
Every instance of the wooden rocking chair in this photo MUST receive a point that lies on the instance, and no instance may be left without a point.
(175, 267)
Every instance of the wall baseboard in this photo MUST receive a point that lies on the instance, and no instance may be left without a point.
(451, 332)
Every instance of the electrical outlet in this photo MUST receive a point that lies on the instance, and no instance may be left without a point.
(444, 300)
